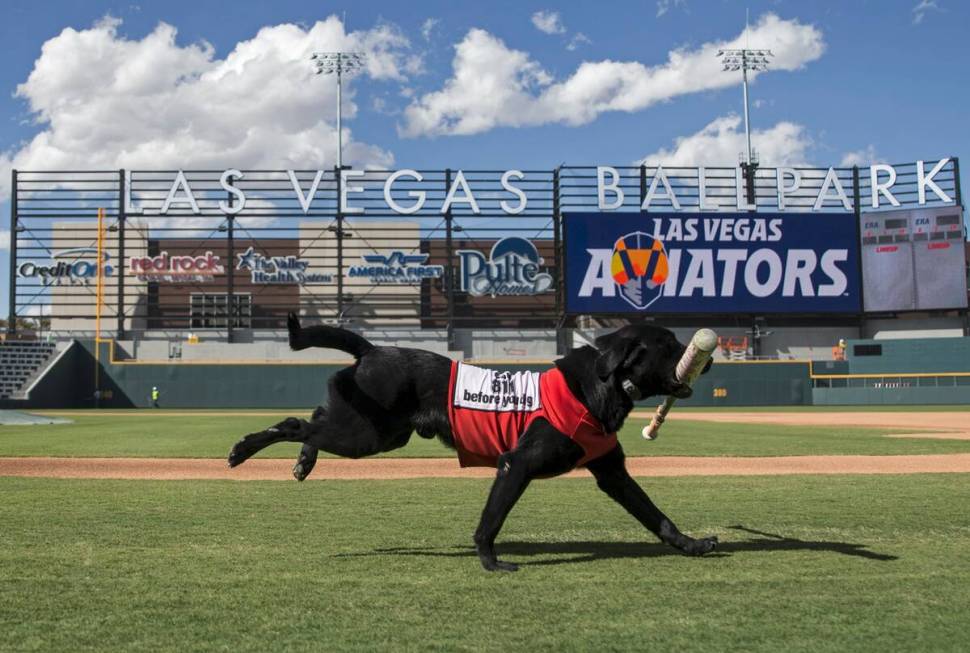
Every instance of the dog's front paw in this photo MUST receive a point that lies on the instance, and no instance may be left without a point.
(701, 546)
(489, 560)
(495, 564)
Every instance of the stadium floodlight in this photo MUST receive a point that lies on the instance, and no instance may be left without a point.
(339, 64)
(744, 60)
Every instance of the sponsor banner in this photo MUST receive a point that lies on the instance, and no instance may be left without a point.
(76, 267)
(279, 269)
(176, 268)
(711, 263)
(512, 268)
(396, 267)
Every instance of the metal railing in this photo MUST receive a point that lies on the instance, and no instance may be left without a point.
(299, 214)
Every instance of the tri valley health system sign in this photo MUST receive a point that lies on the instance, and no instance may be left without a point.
(711, 263)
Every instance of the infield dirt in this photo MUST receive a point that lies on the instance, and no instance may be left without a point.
(403, 468)
(948, 425)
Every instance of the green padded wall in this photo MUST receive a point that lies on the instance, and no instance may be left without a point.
(891, 396)
(763, 383)
(912, 356)
(256, 385)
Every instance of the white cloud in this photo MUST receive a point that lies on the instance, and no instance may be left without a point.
(663, 6)
(104, 101)
(428, 27)
(548, 22)
(922, 8)
(863, 157)
(383, 107)
(4, 239)
(493, 85)
(720, 142)
(577, 40)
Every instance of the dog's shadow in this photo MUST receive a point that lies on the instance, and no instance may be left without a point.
(590, 551)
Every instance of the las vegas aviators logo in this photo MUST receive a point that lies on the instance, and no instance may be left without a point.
(639, 268)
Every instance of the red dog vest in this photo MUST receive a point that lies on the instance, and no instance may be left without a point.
(489, 410)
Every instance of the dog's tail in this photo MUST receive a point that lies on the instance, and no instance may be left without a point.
(325, 336)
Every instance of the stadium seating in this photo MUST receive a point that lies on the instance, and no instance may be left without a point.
(19, 360)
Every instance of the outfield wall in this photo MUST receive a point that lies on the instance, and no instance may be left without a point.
(288, 384)
(909, 356)
(892, 396)
(909, 371)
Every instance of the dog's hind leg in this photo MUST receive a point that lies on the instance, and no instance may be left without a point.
(307, 458)
(612, 477)
(289, 430)
(343, 429)
(305, 462)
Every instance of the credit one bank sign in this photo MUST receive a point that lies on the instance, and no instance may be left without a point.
(788, 183)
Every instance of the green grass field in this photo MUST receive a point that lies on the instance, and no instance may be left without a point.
(148, 433)
(839, 563)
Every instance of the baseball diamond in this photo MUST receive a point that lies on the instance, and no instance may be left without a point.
(463, 327)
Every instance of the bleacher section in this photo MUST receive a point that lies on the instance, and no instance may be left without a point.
(19, 360)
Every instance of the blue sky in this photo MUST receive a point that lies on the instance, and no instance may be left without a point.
(864, 81)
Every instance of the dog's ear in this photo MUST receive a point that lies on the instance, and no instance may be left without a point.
(616, 353)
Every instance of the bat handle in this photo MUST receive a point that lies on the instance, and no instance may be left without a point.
(651, 431)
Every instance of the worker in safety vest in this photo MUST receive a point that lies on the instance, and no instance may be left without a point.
(838, 351)
(155, 396)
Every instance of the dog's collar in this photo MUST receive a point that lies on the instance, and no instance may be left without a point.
(631, 389)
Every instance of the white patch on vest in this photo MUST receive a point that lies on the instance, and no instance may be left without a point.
(482, 389)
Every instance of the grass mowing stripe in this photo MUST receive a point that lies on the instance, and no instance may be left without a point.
(209, 436)
(839, 563)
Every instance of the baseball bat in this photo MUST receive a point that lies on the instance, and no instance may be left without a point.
(689, 367)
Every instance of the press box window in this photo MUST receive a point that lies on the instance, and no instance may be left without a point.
(867, 350)
(210, 311)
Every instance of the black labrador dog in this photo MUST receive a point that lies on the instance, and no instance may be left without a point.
(390, 392)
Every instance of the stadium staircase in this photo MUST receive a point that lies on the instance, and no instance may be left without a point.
(19, 363)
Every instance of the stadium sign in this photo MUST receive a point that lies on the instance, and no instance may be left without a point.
(788, 182)
(712, 264)
(395, 268)
(176, 268)
(512, 268)
(278, 269)
(69, 266)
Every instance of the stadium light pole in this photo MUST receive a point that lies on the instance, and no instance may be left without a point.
(339, 64)
(744, 60)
